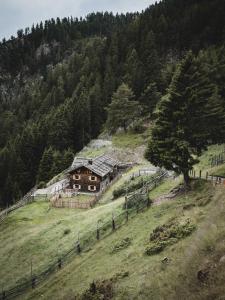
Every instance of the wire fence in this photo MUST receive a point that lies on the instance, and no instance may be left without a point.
(218, 159)
(87, 240)
(205, 175)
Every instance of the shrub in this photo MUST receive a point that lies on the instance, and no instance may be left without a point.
(154, 248)
(132, 185)
(119, 192)
(136, 200)
(98, 290)
(121, 245)
(168, 234)
(41, 185)
(66, 231)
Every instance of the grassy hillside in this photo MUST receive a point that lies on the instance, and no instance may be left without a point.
(41, 234)
(139, 276)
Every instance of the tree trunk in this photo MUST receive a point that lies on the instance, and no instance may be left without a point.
(125, 127)
(186, 179)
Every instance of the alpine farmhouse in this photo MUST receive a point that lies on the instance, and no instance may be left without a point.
(92, 175)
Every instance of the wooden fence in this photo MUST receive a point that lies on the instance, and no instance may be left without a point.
(218, 159)
(205, 175)
(66, 203)
(22, 202)
(143, 172)
(58, 200)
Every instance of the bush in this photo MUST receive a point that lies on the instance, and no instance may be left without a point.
(98, 290)
(168, 234)
(137, 200)
(132, 185)
(66, 231)
(121, 245)
(41, 185)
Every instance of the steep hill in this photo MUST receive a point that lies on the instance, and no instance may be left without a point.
(185, 261)
(57, 78)
(191, 268)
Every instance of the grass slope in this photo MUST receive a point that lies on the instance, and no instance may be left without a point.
(38, 233)
(138, 276)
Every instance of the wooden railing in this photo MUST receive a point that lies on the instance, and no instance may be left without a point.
(58, 200)
(205, 175)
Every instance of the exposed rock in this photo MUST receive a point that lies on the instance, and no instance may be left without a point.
(44, 49)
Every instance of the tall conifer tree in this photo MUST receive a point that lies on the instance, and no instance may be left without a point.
(182, 129)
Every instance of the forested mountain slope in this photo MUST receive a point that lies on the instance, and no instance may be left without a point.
(57, 78)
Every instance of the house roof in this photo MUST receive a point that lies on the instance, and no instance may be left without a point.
(101, 165)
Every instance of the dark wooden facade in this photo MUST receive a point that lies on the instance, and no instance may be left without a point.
(84, 180)
(92, 175)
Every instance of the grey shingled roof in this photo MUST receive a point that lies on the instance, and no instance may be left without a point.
(101, 165)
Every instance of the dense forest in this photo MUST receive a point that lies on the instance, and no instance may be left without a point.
(58, 77)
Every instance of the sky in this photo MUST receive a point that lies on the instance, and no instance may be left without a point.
(18, 14)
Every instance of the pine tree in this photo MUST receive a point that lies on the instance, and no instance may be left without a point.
(182, 129)
(96, 108)
(150, 60)
(67, 158)
(57, 163)
(46, 163)
(134, 72)
(123, 110)
(150, 97)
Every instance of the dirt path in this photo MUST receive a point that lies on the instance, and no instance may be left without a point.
(170, 196)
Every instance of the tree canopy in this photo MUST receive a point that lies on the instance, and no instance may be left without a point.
(123, 110)
(57, 77)
(188, 119)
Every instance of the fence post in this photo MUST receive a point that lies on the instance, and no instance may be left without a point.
(33, 279)
(113, 222)
(98, 233)
(207, 174)
(194, 174)
(127, 214)
(78, 243)
(33, 282)
(31, 268)
(200, 174)
(59, 263)
(78, 247)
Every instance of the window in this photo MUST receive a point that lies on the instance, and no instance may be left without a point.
(76, 177)
(77, 187)
(92, 188)
(92, 178)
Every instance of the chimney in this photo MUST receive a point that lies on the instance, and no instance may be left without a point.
(90, 161)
